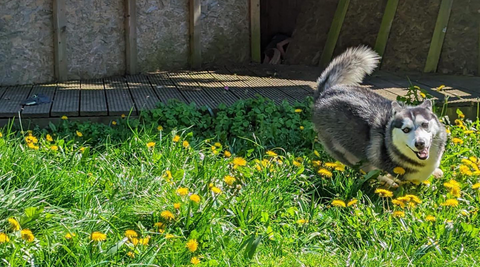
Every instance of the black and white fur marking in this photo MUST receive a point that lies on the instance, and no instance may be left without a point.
(357, 126)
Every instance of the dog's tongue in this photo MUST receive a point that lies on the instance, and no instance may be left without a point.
(423, 154)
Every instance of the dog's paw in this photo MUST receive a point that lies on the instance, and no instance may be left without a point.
(437, 173)
(388, 181)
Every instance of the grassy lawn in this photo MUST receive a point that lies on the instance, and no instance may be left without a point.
(247, 187)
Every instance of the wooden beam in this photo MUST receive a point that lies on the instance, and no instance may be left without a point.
(60, 40)
(255, 48)
(131, 36)
(478, 60)
(438, 36)
(385, 26)
(334, 32)
(195, 30)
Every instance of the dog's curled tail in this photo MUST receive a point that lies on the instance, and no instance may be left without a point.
(349, 68)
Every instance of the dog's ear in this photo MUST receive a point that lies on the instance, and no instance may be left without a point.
(427, 103)
(396, 107)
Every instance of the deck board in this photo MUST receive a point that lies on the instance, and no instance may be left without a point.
(192, 91)
(67, 99)
(214, 88)
(42, 110)
(233, 84)
(93, 98)
(118, 96)
(10, 103)
(143, 95)
(165, 88)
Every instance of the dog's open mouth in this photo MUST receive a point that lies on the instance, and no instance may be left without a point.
(422, 154)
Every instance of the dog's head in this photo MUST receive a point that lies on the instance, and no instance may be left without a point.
(414, 129)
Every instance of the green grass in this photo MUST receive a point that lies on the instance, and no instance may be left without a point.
(278, 212)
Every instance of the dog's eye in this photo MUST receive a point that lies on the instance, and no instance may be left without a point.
(406, 130)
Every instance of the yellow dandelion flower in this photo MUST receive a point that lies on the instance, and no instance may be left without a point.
(98, 236)
(134, 241)
(450, 203)
(448, 131)
(216, 190)
(131, 233)
(144, 241)
(1, 135)
(182, 191)
(440, 87)
(298, 110)
(131, 254)
(340, 167)
(167, 215)
(160, 226)
(339, 203)
(465, 170)
(301, 128)
(64, 118)
(398, 214)
(239, 161)
(430, 218)
(31, 139)
(4, 238)
(384, 192)
(271, 153)
(194, 260)
(473, 159)
(192, 245)
(177, 205)
(316, 163)
(79, 134)
(54, 148)
(456, 140)
(82, 149)
(316, 153)
(464, 212)
(27, 235)
(14, 224)
(423, 95)
(169, 236)
(69, 235)
(217, 144)
(352, 202)
(468, 132)
(476, 186)
(227, 154)
(296, 163)
(330, 165)
(114, 123)
(229, 180)
(150, 144)
(461, 116)
(302, 221)
(455, 191)
(399, 170)
(185, 144)
(195, 198)
(414, 198)
(160, 128)
(325, 173)
(398, 203)
(123, 116)
(168, 175)
(49, 138)
(176, 138)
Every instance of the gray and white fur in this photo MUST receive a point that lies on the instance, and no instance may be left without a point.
(361, 128)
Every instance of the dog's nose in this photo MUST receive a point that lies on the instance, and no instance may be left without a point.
(420, 144)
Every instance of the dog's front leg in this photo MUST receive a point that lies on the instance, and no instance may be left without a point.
(437, 173)
(388, 180)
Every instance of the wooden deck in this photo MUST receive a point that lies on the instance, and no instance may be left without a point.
(105, 99)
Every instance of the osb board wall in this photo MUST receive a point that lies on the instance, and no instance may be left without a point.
(162, 34)
(308, 39)
(361, 24)
(411, 34)
(460, 48)
(225, 31)
(26, 42)
(95, 38)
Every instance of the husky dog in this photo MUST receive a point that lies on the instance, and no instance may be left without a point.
(361, 128)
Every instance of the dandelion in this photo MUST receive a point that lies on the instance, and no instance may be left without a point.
(195, 198)
(383, 192)
(271, 153)
(398, 203)
(64, 117)
(296, 163)
(229, 180)
(239, 161)
(123, 116)
(413, 198)
(31, 139)
(176, 138)
(131, 233)
(14, 225)
(339, 203)
(217, 144)
(168, 175)
(176, 206)
(182, 191)
(79, 134)
(131, 254)
(4, 238)
(325, 173)
(473, 159)
(1, 135)
(330, 165)
(302, 221)
(468, 132)
(150, 144)
(82, 149)
(114, 123)
(185, 144)
(456, 141)
(27, 235)
(465, 170)
(49, 138)
(134, 241)
(298, 110)
(440, 87)
(160, 226)
(194, 260)
(216, 190)
(69, 235)
(352, 202)
(144, 241)
(423, 95)
(192, 245)
(476, 186)
(54, 148)
(169, 236)
(398, 214)
(98, 236)
(450, 203)
(227, 154)
(167, 215)
(160, 128)
(316, 163)
(430, 218)
(340, 167)
(464, 212)
(399, 170)
(316, 153)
